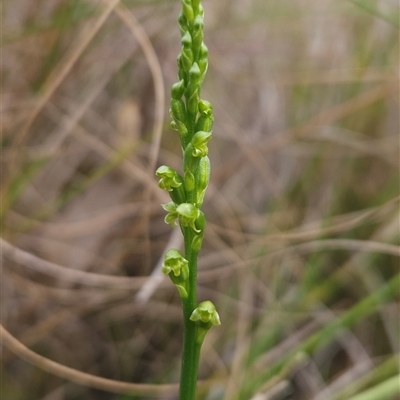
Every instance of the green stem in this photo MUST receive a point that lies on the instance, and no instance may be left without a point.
(190, 361)
(191, 349)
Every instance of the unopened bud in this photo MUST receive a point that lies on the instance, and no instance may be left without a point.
(193, 102)
(183, 26)
(187, 10)
(198, 25)
(177, 90)
(202, 178)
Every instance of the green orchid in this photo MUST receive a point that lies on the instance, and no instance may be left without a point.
(192, 117)
(176, 267)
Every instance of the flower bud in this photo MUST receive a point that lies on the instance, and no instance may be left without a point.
(198, 25)
(197, 242)
(187, 10)
(178, 113)
(178, 110)
(186, 40)
(181, 128)
(201, 10)
(193, 87)
(203, 65)
(193, 102)
(177, 90)
(181, 71)
(204, 123)
(194, 152)
(198, 237)
(195, 4)
(187, 59)
(194, 74)
(189, 181)
(190, 162)
(183, 26)
(202, 178)
(203, 59)
(186, 53)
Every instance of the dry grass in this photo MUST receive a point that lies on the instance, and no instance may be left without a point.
(302, 245)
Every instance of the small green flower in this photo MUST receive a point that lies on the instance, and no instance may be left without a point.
(172, 215)
(205, 108)
(172, 182)
(188, 214)
(170, 179)
(176, 267)
(176, 263)
(206, 312)
(204, 316)
(199, 143)
(206, 118)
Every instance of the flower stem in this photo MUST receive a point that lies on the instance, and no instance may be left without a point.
(190, 361)
(191, 349)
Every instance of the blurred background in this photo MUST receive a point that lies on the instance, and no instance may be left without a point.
(301, 252)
